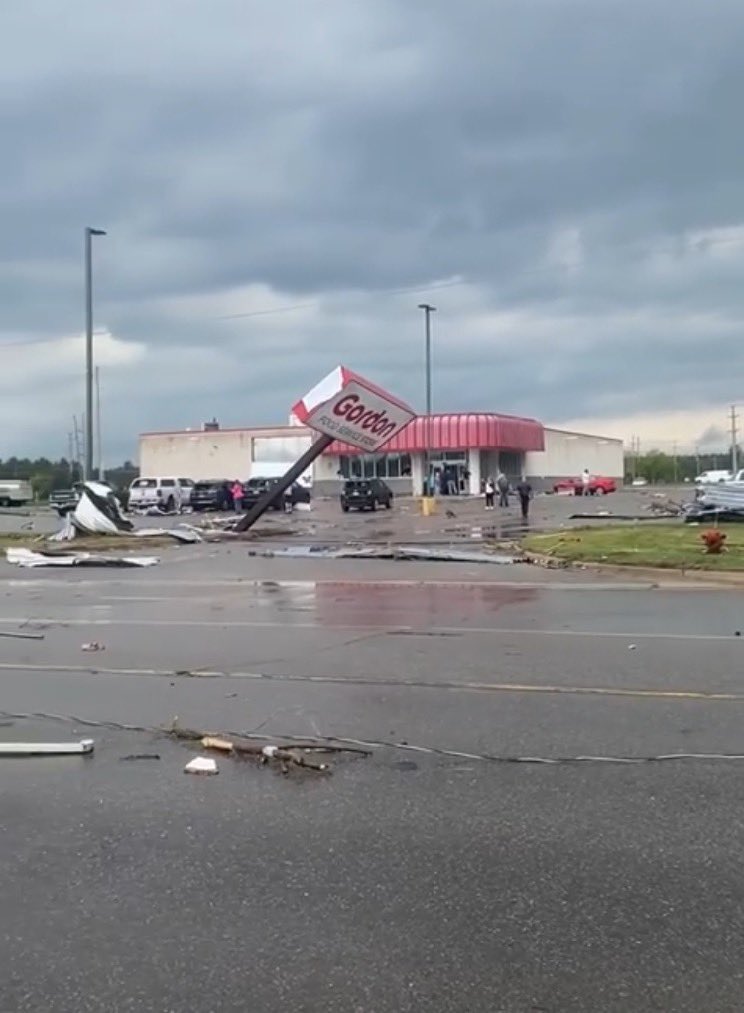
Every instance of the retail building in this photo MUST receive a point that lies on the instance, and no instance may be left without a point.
(467, 447)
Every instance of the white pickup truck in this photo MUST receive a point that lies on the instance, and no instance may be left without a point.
(15, 492)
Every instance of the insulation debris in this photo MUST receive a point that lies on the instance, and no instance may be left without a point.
(35, 558)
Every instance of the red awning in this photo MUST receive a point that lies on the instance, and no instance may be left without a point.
(462, 432)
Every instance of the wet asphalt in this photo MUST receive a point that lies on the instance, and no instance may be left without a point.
(407, 880)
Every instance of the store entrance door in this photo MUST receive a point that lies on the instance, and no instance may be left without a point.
(450, 473)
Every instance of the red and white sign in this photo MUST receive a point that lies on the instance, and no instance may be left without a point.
(353, 410)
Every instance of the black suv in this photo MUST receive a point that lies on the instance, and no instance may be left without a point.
(254, 489)
(212, 494)
(366, 494)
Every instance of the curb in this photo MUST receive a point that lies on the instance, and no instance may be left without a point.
(660, 575)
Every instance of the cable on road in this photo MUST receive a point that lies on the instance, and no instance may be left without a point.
(317, 740)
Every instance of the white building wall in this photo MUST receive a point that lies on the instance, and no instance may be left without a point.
(567, 454)
(225, 453)
(325, 469)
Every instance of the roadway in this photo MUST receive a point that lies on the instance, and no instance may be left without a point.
(406, 881)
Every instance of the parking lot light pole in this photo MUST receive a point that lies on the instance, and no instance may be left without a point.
(428, 310)
(89, 233)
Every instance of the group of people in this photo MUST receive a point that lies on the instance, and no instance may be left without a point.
(501, 486)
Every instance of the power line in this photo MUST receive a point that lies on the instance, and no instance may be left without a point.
(383, 292)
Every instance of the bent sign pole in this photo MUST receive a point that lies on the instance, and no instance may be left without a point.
(315, 449)
(344, 407)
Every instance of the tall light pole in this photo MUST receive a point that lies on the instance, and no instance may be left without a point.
(89, 233)
(428, 310)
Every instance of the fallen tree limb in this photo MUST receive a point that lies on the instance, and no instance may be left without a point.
(286, 754)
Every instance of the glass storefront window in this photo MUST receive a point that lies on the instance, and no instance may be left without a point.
(375, 466)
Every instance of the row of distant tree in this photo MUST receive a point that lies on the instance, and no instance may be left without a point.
(658, 467)
(655, 466)
(45, 476)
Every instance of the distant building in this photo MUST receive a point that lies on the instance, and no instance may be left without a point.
(472, 446)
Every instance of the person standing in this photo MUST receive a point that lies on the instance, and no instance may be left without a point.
(586, 479)
(237, 495)
(524, 491)
(502, 484)
(490, 493)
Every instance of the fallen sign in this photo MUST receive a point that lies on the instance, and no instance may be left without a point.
(30, 558)
(343, 406)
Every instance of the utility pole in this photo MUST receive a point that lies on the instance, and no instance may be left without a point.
(734, 448)
(99, 445)
(674, 458)
(76, 438)
(89, 233)
(428, 310)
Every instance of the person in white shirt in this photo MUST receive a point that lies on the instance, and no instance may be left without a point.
(490, 493)
(585, 481)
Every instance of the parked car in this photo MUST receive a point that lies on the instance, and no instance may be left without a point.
(255, 487)
(168, 493)
(712, 477)
(15, 492)
(212, 494)
(598, 486)
(366, 494)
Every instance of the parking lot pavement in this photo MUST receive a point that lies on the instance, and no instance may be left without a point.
(412, 879)
(457, 518)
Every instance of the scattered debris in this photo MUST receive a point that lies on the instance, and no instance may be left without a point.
(99, 512)
(185, 533)
(84, 746)
(140, 756)
(201, 765)
(21, 636)
(93, 645)
(297, 753)
(31, 558)
(395, 552)
(211, 742)
(604, 515)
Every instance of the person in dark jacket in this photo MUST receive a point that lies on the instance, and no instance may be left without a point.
(502, 484)
(524, 491)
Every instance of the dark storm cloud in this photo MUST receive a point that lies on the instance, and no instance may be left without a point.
(571, 160)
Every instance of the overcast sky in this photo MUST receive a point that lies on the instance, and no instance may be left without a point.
(563, 179)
